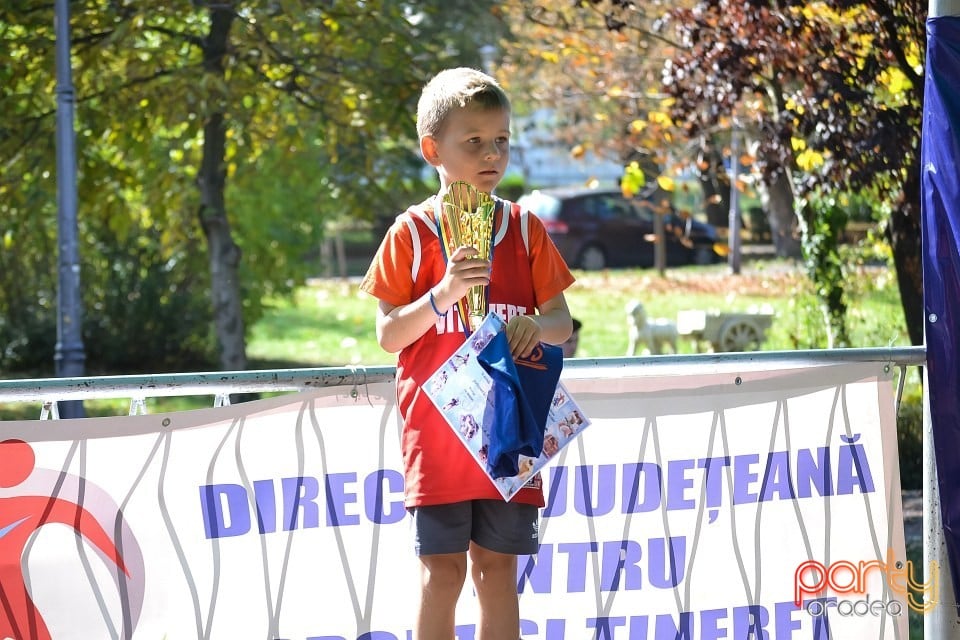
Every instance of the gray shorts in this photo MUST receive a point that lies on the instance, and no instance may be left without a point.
(504, 527)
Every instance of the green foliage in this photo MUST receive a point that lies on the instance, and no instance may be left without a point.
(143, 314)
(799, 323)
(823, 222)
(141, 311)
(512, 187)
(315, 108)
(28, 292)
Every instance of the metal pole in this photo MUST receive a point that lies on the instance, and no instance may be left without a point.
(941, 623)
(733, 223)
(69, 355)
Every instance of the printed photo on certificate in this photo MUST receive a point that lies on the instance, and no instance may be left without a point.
(513, 416)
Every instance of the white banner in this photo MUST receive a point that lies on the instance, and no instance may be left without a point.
(697, 506)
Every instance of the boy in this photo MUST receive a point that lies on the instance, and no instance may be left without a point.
(570, 346)
(463, 122)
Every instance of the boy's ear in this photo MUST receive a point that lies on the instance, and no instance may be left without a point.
(428, 149)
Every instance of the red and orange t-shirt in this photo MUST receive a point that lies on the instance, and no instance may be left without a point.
(527, 270)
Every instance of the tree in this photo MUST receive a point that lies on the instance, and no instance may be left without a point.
(828, 100)
(175, 99)
(834, 103)
(599, 78)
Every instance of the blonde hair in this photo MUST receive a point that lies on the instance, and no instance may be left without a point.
(456, 89)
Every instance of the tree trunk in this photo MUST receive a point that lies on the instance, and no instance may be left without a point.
(905, 240)
(715, 185)
(224, 253)
(777, 198)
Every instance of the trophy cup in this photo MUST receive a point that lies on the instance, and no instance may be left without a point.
(466, 220)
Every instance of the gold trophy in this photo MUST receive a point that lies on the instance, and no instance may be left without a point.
(466, 220)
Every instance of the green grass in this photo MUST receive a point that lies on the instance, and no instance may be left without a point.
(327, 324)
(331, 323)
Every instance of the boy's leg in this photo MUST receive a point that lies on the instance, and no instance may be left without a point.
(441, 580)
(495, 579)
(501, 532)
(441, 538)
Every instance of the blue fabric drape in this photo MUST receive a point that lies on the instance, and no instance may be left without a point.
(940, 159)
(520, 396)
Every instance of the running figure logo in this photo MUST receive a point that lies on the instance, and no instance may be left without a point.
(20, 518)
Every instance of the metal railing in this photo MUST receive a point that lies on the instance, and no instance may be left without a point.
(220, 383)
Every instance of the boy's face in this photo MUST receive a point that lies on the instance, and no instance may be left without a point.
(473, 146)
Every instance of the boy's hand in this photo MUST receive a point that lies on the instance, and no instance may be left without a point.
(464, 270)
(523, 334)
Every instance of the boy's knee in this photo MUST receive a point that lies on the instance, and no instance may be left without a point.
(489, 562)
(443, 571)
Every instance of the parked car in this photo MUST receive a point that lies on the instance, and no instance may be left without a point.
(600, 228)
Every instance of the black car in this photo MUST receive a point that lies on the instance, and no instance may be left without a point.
(600, 228)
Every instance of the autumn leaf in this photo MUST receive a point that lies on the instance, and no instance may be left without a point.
(809, 160)
(633, 180)
(665, 183)
(659, 117)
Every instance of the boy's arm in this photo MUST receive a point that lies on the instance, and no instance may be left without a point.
(552, 325)
(400, 326)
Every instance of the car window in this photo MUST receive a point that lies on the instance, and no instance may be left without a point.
(621, 208)
(608, 207)
(542, 205)
(596, 207)
(643, 209)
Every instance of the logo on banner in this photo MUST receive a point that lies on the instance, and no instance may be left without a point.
(21, 516)
(813, 578)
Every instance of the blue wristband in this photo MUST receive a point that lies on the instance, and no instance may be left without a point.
(433, 303)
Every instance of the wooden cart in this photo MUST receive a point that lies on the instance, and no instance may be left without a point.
(724, 332)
